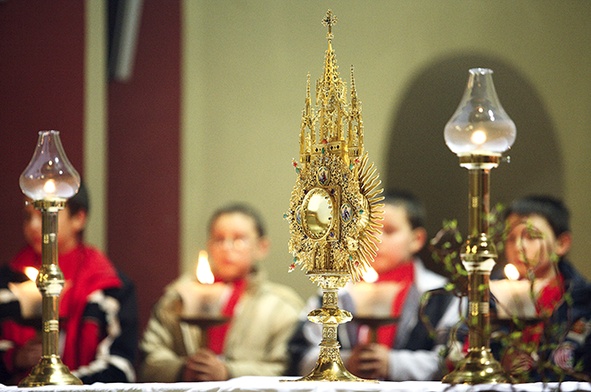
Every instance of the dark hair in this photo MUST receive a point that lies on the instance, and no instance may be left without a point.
(80, 201)
(550, 208)
(415, 210)
(240, 208)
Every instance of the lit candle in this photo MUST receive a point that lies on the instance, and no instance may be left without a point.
(202, 297)
(28, 295)
(513, 295)
(373, 299)
(203, 271)
(373, 304)
(511, 272)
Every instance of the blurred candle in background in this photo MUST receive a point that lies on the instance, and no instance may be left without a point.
(28, 295)
(202, 296)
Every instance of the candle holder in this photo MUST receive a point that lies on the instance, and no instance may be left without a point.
(373, 323)
(204, 323)
(334, 207)
(479, 132)
(49, 180)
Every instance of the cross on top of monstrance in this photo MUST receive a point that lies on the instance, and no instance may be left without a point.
(335, 206)
(328, 21)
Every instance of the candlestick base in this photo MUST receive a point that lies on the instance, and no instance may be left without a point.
(478, 367)
(49, 371)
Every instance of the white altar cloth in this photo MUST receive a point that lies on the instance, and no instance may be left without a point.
(286, 384)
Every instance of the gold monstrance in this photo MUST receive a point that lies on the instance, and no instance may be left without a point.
(335, 205)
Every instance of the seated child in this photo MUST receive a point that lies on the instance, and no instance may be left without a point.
(263, 314)
(98, 305)
(537, 244)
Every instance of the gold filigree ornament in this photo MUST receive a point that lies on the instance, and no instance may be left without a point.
(335, 207)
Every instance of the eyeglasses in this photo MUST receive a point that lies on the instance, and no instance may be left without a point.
(238, 243)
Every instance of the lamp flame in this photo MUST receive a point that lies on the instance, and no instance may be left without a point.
(49, 187)
(478, 137)
(370, 275)
(31, 273)
(511, 272)
(203, 271)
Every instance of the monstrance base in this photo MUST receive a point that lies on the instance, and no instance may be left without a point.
(329, 365)
(331, 370)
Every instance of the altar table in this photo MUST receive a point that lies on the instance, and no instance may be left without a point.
(286, 384)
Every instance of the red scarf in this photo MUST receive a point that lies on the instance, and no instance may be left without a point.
(85, 270)
(549, 298)
(217, 334)
(403, 274)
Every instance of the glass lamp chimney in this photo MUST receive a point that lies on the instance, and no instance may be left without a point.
(480, 125)
(49, 175)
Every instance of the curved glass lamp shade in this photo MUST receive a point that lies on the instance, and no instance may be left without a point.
(480, 125)
(49, 175)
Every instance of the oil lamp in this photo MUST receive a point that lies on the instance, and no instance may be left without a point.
(479, 132)
(49, 180)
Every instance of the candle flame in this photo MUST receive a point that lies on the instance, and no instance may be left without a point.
(370, 276)
(31, 273)
(49, 187)
(203, 272)
(511, 272)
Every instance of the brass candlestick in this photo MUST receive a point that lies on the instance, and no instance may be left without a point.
(334, 207)
(479, 132)
(50, 370)
(49, 180)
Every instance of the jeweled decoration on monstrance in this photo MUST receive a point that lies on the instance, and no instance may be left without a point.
(335, 206)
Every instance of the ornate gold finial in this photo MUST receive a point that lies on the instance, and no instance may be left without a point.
(307, 127)
(355, 122)
(329, 21)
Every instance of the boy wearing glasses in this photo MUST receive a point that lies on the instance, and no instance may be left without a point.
(261, 314)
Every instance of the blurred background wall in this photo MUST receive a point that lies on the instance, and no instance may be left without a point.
(210, 110)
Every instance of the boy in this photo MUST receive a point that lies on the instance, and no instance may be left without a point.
(97, 305)
(404, 351)
(537, 244)
(262, 314)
